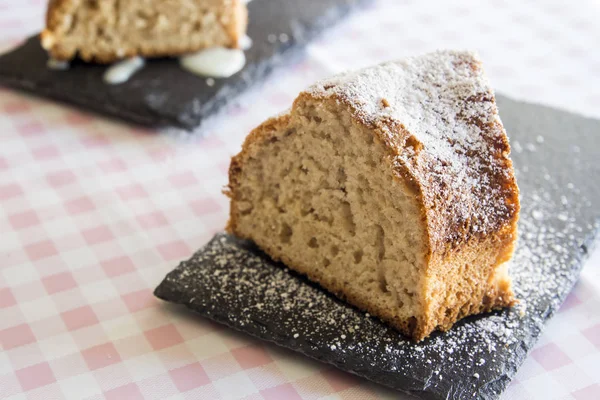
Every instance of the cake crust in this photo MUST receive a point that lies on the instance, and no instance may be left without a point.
(437, 119)
(224, 24)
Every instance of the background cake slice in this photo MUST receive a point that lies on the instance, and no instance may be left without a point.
(391, 187)
(107, 30)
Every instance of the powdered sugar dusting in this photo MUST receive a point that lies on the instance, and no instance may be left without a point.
(233, 283)
(439, 112)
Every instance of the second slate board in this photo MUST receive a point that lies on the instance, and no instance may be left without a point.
(162, 93)
(556, 157)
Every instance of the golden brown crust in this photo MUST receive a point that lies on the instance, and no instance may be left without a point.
(238, 24)
(56, 9)
(60, 12)
(55, 12)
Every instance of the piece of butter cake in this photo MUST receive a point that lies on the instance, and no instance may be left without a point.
(391, 187)
(104, 31)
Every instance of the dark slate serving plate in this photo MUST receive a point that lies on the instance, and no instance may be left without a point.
(162, 93)
(557, 157)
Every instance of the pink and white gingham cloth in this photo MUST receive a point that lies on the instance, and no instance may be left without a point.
(94, 213)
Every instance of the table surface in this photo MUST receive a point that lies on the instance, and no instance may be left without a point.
(94, 213)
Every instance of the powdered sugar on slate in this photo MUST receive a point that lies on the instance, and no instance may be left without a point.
(232, 282)
(252, 290)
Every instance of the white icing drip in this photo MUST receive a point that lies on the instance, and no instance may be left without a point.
(216, 62)
(121, 72)
(57, 65)
(246, 1)
(245, 42)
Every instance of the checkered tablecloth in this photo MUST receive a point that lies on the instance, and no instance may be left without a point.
(94, 213)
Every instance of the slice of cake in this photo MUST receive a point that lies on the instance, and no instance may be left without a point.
(391, 187)
(107, 30)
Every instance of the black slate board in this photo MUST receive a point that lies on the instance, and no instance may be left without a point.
(162, 93)
(557, 157)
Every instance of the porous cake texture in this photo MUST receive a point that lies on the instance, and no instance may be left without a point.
(391, 187)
